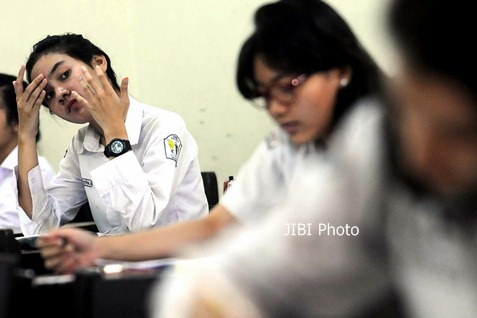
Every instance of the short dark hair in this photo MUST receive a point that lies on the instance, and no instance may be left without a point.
(434, 35)
(74, 45)
(306, 36)
(7, 94)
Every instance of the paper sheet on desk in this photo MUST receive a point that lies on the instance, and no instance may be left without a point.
(140, 265)
(116, 266)
(52, 279)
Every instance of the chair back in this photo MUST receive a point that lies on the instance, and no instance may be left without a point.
(211, 187)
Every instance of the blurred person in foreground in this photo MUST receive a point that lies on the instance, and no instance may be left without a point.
(9, 218)
(404, 174)
(306, 68)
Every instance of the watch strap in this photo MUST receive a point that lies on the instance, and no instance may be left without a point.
(126, 147)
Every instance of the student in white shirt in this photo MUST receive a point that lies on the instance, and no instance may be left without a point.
(9, 155)
(136, 165)
(306, 91)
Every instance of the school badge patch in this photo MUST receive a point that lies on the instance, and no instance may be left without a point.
(172, 146)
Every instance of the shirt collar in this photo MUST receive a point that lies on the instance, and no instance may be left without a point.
(11, 160)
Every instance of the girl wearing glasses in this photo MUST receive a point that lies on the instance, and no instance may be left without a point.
(306, 68)
(135, 164)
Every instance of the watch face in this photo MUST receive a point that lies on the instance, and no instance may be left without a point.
(117, 147)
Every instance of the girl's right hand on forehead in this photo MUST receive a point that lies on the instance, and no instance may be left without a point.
(29, 101)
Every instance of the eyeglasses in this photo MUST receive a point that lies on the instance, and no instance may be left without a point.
(282, 92)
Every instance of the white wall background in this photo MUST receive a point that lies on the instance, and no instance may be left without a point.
(178, 54)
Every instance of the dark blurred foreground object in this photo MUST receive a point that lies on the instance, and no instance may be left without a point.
(89, 293)
(115, 290)
(8, 263)
(8, 243)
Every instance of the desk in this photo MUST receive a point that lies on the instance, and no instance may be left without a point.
(89, 293)
(7, 268)
(111, 289)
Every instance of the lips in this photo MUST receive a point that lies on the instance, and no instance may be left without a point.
(290, 127)
(70, 105)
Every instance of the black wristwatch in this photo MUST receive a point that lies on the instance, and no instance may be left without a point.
(117, 147)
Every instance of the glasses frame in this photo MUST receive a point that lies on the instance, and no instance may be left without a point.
(276, 91)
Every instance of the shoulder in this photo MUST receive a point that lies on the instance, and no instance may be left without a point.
(272, 146)
(275, 150)
(276, 139)
(361, 131)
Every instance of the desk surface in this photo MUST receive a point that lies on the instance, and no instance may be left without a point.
(110, 289)
(89, 293)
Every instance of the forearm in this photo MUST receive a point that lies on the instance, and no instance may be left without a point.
(166, 241)
(27, 160)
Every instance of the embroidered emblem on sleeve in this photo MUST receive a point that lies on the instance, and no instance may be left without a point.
(172, 146)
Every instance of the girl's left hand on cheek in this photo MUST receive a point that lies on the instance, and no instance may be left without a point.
(105, 105)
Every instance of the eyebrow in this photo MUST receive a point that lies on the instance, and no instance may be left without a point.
(53, 69)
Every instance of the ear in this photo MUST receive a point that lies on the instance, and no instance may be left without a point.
(345, 76)
(15, 127)
(346, 73)
(101, 61)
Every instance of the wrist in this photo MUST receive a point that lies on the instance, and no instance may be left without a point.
(25, 139)
(112, 133)
(117, 147)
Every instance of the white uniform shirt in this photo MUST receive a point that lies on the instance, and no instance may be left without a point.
(404, 246)
(292, 275)
(159, 182)
(8, 194)
(263, 181)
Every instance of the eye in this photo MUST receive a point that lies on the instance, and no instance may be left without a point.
(260, 93)
(65, 75)
(285, 88)
(48, 96)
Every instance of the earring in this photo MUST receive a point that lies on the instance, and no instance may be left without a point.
(344, 82)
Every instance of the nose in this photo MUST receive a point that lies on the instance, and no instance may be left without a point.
(276, 108)
(62, 94)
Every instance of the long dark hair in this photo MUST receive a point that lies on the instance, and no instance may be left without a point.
(306, 36)
(74, 45)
